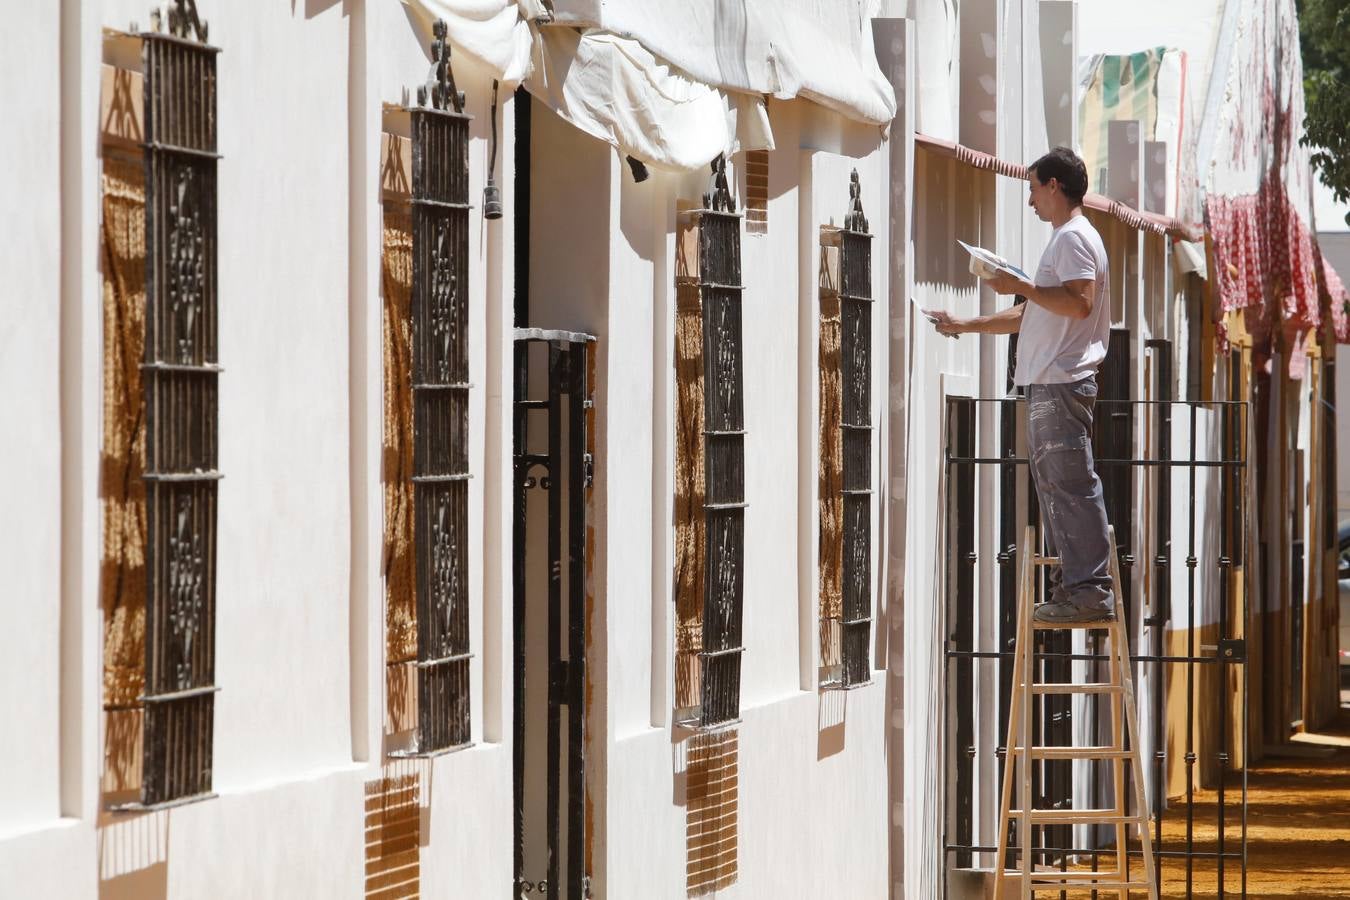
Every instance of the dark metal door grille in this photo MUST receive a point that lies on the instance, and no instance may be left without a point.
(567, 464)
(440, 389)
(961, 620)
(1229, 467)
(180, 373)
(719, 237)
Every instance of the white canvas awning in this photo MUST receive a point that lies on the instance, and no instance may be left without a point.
(676, 84)
(817, 49)
(616, 90)
(494, 32)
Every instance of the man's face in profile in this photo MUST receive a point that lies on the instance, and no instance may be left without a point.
(1039, 196)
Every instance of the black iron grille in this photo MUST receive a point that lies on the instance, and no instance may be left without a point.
(855, 362)
(846, 448)
(724, 436)
(440, 403)
(719, 290)
(180, 373)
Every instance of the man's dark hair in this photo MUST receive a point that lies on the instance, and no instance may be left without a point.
(1063, 165)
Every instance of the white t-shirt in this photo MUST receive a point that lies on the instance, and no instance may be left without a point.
(1055, 349)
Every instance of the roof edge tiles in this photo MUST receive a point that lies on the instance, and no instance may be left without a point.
(1141, 221)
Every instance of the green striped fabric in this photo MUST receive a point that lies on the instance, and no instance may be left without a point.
(1121, 88)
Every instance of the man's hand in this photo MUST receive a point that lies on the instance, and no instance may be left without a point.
(1005, 321)
(944, 323)
(1004, 283)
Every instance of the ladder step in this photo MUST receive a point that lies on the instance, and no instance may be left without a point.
(1099, 625)
(1066, 878)
(1077, 688)
(1045, 560)
(1094, 886)
(1078, 816)
(1077, 752)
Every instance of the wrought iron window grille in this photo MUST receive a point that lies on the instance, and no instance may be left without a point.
(846, 627)
(440, 406)
(719, 292)
(180, 371)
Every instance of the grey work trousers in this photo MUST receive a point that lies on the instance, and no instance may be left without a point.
(1073, 512)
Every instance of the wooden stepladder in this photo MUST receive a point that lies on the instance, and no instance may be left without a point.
(1027, 880)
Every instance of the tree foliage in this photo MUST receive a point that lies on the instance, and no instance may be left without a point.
(1324, 35)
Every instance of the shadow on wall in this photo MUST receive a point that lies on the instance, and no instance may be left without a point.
(122, 754)
(830, 719)
(315, 7)
(397, 826)
(133, 856)
(706, 770)
(950, 194)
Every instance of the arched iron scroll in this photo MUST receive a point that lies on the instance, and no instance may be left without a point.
(718, 197)
(184, 23)
(855, 221)
(440, 90)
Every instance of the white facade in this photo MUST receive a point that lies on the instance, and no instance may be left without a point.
(836, 793)
(299, 721)
(299, 632)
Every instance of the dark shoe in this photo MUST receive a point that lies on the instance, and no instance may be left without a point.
(1068, 614)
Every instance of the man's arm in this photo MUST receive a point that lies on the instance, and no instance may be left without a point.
(1073, 298)
(1005, 321)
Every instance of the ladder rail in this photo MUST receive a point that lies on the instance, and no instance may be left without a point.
(1013, 741)
(1026, 677)
(1122, 654)
(1020, 746)
(1115, 635)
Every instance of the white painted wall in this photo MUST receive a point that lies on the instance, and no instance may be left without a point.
(284, 503)
(300, 622)
(1333, 237)
(30, 358)
(300, 640)
(621, 288)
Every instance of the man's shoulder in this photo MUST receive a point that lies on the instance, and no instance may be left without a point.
(1079, 231)
(1081, 225)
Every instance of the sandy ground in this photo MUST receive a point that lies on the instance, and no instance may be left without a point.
(1298, 828)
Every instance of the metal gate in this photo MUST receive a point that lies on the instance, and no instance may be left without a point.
(550, 456)
(1189, 451)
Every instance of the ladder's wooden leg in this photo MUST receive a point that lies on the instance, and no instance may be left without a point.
(1025, 636)
(1121, 804)
(1019, 695)
(1122, 654)
(1141, 801)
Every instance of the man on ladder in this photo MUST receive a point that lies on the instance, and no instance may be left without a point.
(1062, 334)
(1063, 330)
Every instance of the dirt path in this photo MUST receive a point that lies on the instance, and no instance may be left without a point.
(1298, 828)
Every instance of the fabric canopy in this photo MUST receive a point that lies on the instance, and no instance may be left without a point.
(1259, 194)
(676, 84)
(494, 32)
(818, 49)
(614, 89)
